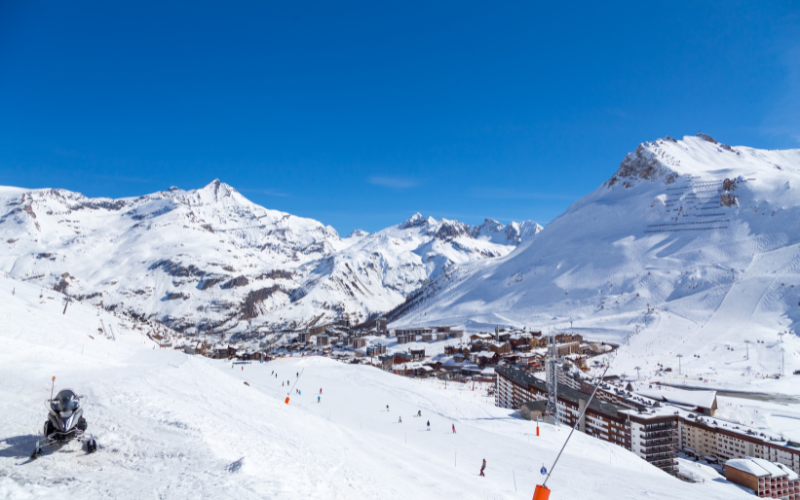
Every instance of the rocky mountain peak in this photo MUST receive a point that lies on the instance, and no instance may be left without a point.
(416, 220)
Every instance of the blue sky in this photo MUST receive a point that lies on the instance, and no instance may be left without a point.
(358, 114)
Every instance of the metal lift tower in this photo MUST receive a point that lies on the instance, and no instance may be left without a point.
(552, 382)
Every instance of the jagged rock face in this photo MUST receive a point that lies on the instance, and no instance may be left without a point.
(655, 161)
(209, 258)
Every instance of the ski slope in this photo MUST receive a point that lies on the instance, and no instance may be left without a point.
(184, 427)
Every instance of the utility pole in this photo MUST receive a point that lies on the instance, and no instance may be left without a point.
(747, 348)
(781, 334)
(67, 300)
(637, 372)
(679, 363)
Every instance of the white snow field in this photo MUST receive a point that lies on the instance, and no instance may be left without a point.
(173, 426)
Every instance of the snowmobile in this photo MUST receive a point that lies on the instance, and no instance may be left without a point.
(64, 423)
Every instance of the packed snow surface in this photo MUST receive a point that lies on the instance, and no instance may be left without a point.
(175, 426)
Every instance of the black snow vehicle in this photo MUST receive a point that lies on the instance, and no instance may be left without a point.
(64, 423)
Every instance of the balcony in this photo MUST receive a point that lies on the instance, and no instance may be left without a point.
(659, 441)
(648, 450)
(658, 434)
(657, 457)
(658, 427)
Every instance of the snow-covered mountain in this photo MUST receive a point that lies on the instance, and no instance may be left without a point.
(680, 227)
(210, 258)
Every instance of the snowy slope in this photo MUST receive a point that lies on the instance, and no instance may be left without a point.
(699, 231)
(176, 426)
(210, 258)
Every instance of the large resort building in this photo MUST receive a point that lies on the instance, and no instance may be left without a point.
(654, 431)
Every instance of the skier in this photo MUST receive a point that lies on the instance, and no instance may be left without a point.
(320, 390)
(317, 399)
(399, 420)
(454, 428)
(483, 467)
(281, 384)
(387, 407)
(419, 413)
(429, 425)
(298, 374)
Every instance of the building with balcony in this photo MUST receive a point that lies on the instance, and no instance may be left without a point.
(655, 437)
(766, 479)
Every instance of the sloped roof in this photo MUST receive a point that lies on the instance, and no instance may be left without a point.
(701, 399)
(747, 465)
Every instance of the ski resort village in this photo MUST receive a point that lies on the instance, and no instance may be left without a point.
(193, 344)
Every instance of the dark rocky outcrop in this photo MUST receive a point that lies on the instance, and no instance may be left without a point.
(177, 269)
(254, 298)
(235, 282)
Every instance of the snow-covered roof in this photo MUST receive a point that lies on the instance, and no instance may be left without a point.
(789, 472)
(769, 467)
(761, 468)
(701, 399)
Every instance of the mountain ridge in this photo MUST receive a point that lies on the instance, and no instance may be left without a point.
(211, 259)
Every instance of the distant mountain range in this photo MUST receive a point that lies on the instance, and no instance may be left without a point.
(211, 259)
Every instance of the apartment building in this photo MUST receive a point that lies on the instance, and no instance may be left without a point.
(705, 436)
(651, 433)
(766, 479)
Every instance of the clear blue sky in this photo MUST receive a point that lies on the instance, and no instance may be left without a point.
(360, 113)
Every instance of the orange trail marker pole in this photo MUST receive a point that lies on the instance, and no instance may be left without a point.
(541, 493)
(52, 387)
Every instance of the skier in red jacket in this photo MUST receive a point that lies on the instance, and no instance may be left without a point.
(483, 467)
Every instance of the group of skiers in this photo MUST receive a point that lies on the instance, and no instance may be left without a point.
(419, 414)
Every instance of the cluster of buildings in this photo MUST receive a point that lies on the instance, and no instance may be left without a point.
(477, 356)
(654, 428)
(224, 351)
(526, 350)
